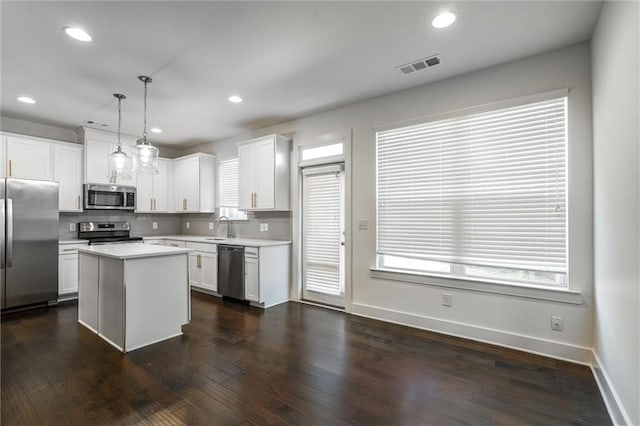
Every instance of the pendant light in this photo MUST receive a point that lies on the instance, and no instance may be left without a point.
(146, 158)
(120, 164)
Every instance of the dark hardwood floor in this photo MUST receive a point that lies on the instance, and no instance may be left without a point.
(292, 363)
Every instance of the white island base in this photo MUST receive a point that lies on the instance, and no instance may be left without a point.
(133, 296)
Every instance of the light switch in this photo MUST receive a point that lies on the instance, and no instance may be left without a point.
(363, 225)
(154, 225)
(264, 227)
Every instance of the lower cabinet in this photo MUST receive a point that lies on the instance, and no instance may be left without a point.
(203, 266)
(67, 271)
(267, 274)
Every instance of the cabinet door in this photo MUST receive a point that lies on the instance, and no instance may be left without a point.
(96, 162)
(187, 185)
(246, 176)
(144, 192)
(161, 187)
(251, 284)
(67, 171)
(67, 273)
(265, 175)
(195, 269)
(210, 271)
(28, 159)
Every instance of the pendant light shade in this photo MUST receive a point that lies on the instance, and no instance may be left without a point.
(120, 163)
(146, 157)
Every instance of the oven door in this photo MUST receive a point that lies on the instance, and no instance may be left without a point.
(105, 197)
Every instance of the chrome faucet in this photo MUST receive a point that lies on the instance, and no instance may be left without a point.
(229, 234)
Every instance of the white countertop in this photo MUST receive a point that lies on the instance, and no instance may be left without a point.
(73, 242)
(248, 242)
(132, 250)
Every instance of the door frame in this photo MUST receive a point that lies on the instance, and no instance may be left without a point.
(345, 137)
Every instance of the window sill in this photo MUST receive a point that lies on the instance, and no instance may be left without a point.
(520, 290)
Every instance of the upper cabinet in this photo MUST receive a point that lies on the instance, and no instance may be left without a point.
(194, 183)
(263, 180)
(97, 146)
(28, 158)
(67, 171)
(152, 191)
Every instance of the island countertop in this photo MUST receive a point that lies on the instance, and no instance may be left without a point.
(132, 250)
(248, 242)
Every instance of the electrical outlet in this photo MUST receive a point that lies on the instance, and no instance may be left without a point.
(557, 323)
(154, 225)
(187, 225)
(363, 225)
(264, 227)
(210, 225)
(447, 300)
(72, 227)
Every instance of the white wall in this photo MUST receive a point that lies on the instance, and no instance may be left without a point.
(506, 320)
(616, 213)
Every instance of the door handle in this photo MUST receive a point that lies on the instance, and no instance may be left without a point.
(199, 261)
(78, 201)
(9, 233)
(150, 203)
(155, 207)
(255, 200)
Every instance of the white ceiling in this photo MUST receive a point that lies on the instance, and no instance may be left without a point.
(286, 60)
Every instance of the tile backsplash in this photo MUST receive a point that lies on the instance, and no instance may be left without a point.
(141, 224)
(278, 223)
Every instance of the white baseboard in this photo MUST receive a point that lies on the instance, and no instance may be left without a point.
(615, 408)
(535, 345)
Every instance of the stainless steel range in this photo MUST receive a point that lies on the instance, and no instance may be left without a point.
(106, 232)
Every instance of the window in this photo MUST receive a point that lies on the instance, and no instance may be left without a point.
(228, 190)
(480, 196)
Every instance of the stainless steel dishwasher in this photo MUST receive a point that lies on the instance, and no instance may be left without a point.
(231, 271)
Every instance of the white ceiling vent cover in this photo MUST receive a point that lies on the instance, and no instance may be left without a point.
(419, 64)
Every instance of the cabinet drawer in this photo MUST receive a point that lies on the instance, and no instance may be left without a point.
(251, 252)
(174, 243)
(69, 248)
(203, 247)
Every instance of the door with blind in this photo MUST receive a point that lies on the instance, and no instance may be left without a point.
(323, 211)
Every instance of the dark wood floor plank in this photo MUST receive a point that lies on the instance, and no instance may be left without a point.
(290, 364)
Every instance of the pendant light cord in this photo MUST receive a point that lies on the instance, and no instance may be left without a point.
(119, 121)
(144, 131)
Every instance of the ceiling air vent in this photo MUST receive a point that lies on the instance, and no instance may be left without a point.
(419, 64)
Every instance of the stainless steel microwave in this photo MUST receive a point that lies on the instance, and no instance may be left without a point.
(109, 197)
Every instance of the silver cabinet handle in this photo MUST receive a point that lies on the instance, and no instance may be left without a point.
(78, 201)
(2, 211)
(9, 233)
(150, 203)
(199, 261)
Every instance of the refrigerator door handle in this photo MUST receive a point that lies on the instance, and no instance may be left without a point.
(2, 211)
(9, 249)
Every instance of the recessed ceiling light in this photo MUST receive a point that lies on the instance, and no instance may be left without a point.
(26, 99)
(77, 33)
(235, 99)
(156, 129)
(444, 20)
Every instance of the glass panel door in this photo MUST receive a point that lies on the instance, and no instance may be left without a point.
(323, 213)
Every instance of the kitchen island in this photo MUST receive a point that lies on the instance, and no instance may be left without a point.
(133, 295)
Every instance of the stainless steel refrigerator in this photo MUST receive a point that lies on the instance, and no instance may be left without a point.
(29, 257)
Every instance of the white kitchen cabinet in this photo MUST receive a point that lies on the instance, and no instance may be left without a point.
(266, 274)
(97, 146)
(175, 243)
(203, 266)
(251, 287)
(195, 183)
(263, 177)
(68, 271)
(152, 191)
(29, 158)
(67, 171)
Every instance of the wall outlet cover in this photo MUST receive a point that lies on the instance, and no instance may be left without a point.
(154, 225)
(72, 227)
(557, 323)
(447, 300)
(210, 225)
(187, 225)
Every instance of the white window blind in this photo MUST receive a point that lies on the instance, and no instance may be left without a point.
(229, 182)
(322, 229)
(481, 195)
